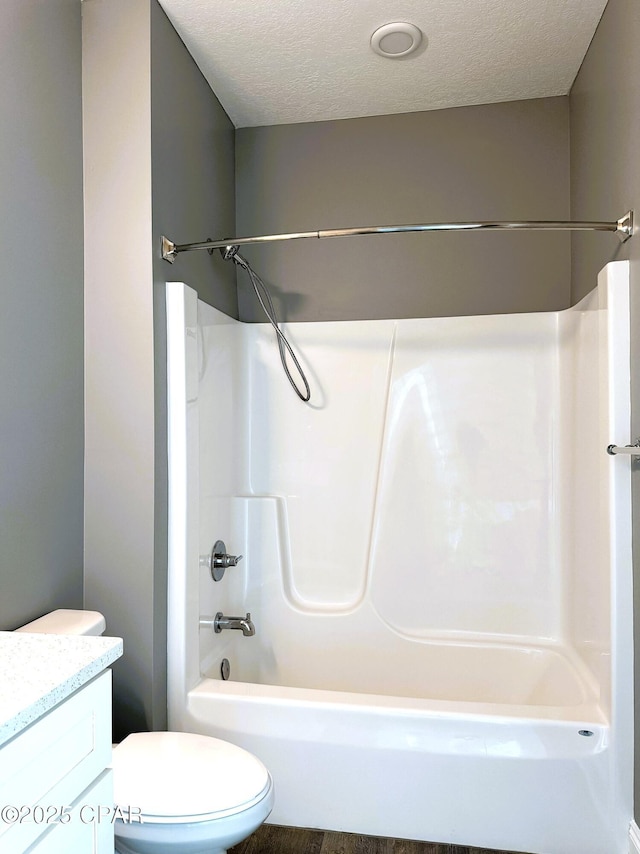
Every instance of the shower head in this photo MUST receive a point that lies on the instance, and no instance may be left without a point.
(232, 253)
(229, 252)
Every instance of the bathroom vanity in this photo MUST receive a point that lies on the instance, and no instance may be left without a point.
(56, 791)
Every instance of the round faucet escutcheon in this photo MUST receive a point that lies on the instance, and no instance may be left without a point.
(220, 560)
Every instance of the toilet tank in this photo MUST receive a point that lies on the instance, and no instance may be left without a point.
(67, 622)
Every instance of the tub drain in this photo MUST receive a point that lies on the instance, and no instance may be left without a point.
(225, 669)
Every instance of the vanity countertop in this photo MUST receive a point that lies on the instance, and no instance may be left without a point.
(38, 671)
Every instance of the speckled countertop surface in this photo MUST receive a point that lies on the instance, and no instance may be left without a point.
(39, 671)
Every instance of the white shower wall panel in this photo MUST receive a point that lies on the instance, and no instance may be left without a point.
(420, 477)
(221, 437)
(321, 459)
(584, 470)
(465, 534)
(221, 380)
(435, 490)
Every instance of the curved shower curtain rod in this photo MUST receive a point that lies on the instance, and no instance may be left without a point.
(622, 227)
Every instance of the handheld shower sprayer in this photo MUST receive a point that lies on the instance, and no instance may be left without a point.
(229, 253)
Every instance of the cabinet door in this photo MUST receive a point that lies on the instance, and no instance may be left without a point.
(46, 766)
(90, 826)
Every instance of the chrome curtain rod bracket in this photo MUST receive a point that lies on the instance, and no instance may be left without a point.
(631, 450)
(169, 252)
(623, 227)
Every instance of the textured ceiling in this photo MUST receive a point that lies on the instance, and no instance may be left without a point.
(281, 61)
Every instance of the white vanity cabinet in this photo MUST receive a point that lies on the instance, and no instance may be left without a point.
(56, 791)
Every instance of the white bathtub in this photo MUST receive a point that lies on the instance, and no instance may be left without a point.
(471, 744)
(500, 776)
(443, 615)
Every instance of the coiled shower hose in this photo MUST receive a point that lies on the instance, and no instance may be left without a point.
(230, 253)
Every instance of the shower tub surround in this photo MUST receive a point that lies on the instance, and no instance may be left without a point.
(436, 560)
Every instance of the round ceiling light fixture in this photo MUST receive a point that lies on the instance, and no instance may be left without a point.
(396, 40)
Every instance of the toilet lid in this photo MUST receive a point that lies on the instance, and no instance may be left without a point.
(177, 774)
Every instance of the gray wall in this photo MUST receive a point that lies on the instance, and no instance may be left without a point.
(193, 168)
(119, 340)
(149, 120)
(41, 428)
(499, 161)
(605, 183)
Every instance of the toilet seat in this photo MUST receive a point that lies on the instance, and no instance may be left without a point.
(179, 778)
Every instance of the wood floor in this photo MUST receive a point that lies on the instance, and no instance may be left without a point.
(271, 839)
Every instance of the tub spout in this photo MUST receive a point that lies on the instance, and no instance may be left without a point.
(243, 623)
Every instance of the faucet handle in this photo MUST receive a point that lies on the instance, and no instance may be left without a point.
(220, 560)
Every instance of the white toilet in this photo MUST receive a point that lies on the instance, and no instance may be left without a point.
(180, 793)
